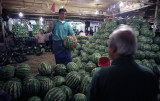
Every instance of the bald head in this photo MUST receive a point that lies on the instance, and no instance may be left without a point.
(124, 41)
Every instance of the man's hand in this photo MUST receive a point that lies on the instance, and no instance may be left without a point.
(74, 43)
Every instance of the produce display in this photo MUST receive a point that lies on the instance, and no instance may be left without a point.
(19, 53)
(21, 31)
(71, 82)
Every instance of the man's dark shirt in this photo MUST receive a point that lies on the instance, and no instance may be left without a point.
(124, 80)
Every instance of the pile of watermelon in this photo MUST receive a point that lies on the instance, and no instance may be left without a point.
(61, 83)
(19, 53)
(90, 49)
(21, 31)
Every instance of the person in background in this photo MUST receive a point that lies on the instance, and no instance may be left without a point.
(82, 33)
(41, 38)
(91, 31)
(124, 80)
(60, 30)
(30, 29)
(10, 43)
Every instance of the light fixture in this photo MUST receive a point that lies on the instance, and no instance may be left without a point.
(19, 22)
(41, 19)
(62, 7)
(22, 24)
(121, 4)
(96, 12)
(20, 14)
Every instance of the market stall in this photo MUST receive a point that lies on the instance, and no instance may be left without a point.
(31, 69)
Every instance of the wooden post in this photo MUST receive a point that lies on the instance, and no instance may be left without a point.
(156, 16)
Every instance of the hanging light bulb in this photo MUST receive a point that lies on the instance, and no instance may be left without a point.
(121, 4)
(41, 19)
(96, 12)
(62, 7)
(20, 14)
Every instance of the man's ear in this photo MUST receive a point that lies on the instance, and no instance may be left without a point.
(113, 49)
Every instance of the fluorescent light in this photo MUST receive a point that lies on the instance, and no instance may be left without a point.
(121, 4)
(20, 14)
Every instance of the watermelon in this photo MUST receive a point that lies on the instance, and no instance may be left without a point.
(95, 70)
(85, 84)
(31, 86)
(13, 88)
(81, 65)
(6, 72)
(34, 98)
(155, 47)
(90, 66)
(67, 91)
(1, 84)
(68, 42)
(157, 40)
(71, 66)
(22, 70)
(45, 69)
(79, 97)
(46, 85)
(58, 80)
(73, 79)
(95, 57)
(55, 94)
(60, 69)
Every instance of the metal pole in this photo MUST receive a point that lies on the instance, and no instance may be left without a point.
(156, 17)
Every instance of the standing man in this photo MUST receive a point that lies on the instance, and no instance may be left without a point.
(60, 30)
(30, 29)
(10, 43)
(124, 80)
(41, 38)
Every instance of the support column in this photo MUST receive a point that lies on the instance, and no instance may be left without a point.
(156, 16)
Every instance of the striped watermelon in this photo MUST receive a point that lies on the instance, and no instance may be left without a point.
(13, 88)
(60, 69)
(79, 97)
(81, 65)
(1, 84)
(68, 92)
(90, 66)
(73, 79)
(58, 80)
(95, 57)
(6, 72)
(22, 70)
(55, 94)
(16, 79)
(94, 70)
(85, 84)
(45, 69)
(71, 66)
(46, 85)
(68, 42)
(34, 98)
(31, 87)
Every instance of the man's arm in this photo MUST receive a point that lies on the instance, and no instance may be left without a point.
(49, 28)
(75, 40)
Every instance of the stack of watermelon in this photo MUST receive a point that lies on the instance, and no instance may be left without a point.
(66, 83)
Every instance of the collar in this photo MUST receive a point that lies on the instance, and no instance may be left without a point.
(61, 21)
(123, 60)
